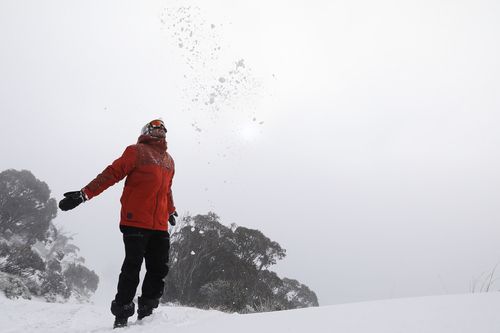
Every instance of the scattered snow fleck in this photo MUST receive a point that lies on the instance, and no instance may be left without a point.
(193, 253)
(214, 84)
(196, 127)
(240, 63)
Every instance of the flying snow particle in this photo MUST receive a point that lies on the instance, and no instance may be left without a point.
(193, 253)
(240, 63)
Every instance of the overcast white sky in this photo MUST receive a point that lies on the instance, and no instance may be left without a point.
(361, 135)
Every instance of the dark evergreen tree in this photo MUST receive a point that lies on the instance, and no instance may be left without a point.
(20, 259)
(81, 280)
(53, 282)
(213, 266)
(35, 257)
(297, 294)
(26, 208)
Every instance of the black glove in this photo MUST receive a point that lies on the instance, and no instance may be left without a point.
(71, 200)
(171, 218)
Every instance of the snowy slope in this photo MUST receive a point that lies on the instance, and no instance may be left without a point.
(474, 313)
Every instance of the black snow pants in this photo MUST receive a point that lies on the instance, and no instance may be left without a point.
(153, 247)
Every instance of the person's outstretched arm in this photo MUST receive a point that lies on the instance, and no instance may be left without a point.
(115, 172)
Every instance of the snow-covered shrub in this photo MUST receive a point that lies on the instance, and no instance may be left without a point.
(81, 281)
(13, 286)
(37, 259)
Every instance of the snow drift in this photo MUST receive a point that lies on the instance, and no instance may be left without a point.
(472, 313)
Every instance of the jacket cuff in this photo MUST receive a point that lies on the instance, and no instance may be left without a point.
(86, 194)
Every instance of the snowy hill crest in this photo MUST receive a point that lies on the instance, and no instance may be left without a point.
(473, 313)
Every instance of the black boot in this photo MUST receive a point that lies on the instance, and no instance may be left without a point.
(120, 322)
(146, 307)
(122, 312)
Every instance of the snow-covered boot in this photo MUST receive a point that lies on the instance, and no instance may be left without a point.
(120, 322)
(146, 307)
(122, 312)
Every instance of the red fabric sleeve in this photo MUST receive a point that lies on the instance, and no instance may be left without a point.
(115, 172)
(171, 206)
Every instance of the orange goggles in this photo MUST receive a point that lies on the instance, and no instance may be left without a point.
(158, 124)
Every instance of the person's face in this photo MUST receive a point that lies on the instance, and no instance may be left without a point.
(158, 132)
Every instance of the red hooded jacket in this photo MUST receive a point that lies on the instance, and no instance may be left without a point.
(147, 196)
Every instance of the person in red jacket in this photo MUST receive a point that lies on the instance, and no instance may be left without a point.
(146, 207)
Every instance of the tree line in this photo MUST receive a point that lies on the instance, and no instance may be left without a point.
(227, 268)
(36, 258)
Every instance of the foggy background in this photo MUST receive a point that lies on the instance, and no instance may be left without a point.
(360, 135)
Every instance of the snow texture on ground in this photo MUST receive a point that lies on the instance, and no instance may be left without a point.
(473, 313)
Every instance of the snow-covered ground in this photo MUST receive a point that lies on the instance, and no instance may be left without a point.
(473, 313)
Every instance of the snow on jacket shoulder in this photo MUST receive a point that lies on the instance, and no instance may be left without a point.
(147, 198)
